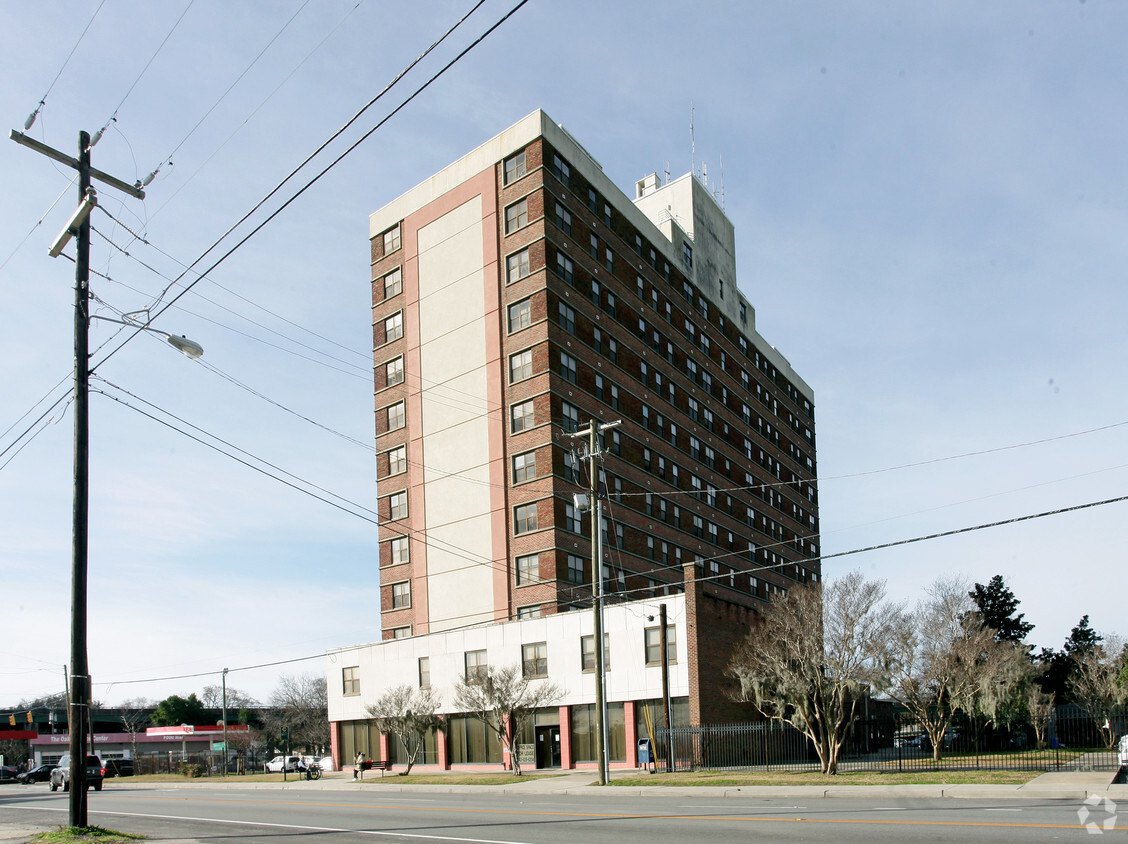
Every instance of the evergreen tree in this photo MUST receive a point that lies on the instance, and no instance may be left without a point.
(996, 606)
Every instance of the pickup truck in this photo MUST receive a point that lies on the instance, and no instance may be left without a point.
(61, 775)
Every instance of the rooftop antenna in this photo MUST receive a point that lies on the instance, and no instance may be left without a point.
(705, 174)
(722, 182)
(692, 144)
(667, 172)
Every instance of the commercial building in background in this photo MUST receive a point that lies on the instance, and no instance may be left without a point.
(516, 295)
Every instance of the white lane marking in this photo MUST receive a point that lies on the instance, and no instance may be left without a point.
(1002, 810)
(742, 808)
(888, 809)
(388, 834)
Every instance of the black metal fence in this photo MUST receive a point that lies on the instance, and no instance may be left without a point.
(1072, 740)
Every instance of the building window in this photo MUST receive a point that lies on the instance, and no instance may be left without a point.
(587, 653)
(524, 467)
(514, 167)
(393, 327)
(529, 612)
(400, 550)
(573, 521)
(477, 669)
(392, 240)
(517, 266)
(401, 632)
(567, 318)
(687, 254)
(521, 366)
(393, 372)
(560, 168)
(350, 680)
(524, 518)
(397, 505)
(424, 672)
(615, 396)
(516, 216)
(653, 643)
(599, 391)
(564, 267)
(397, 460)
(609, 260)
(534, 660)
(397, 416)
(743, 313)
(575, 569)
(520, 315)
(593, 246)
(393, 283)
(521, 417)
(401, 595)
(568, 367)
(570, 417)
(527, 569)
(563, 219)
(613, 349)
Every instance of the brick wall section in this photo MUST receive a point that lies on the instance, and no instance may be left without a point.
(715, 628)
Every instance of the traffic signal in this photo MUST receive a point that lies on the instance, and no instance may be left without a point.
(12, 720)
(29, 716)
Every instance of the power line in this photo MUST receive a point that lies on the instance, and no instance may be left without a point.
(316, 178)
(168, 158)
(113, 117)
(43, 100)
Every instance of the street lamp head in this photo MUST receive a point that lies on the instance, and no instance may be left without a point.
(189, 347)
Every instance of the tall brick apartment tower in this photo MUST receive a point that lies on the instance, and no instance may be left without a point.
(516, 295)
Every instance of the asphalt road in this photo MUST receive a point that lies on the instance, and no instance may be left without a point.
(370, 815)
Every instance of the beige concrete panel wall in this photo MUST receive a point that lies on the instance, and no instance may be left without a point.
(452, 356)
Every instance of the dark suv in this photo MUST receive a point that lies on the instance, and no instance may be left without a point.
(118, 768)
(61, 775)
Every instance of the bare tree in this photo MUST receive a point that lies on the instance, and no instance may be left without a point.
(408, 714)
(816, 653)
(302, 705)
(934, 663)
(212, 698)
(1040, 706)
(505, 700)
(135, 715)
(1097, 685)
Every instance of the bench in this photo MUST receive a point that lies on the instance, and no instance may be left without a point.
(381, 766)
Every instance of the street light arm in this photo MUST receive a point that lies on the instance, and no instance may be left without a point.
(182, 344)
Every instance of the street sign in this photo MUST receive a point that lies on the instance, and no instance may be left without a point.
(219, 745)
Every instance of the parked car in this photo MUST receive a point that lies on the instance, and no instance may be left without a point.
(8, 773)
(326, 763)
(118, 768)
(40, 773)
(280, 763)
(1124, 750)
(60, 777)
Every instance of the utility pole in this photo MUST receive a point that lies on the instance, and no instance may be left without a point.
(79, 225)
(592, 434)
(666, 690)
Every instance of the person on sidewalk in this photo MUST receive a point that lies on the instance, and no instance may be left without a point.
(358, 772)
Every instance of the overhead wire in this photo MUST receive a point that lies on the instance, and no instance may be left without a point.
(168, 158)
(43, 100)
(113, 116)
(321, 174)
(703, 579)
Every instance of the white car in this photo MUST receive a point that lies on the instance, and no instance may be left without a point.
(280, 763)
(1124, 750)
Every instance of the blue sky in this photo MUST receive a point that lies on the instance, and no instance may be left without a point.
(929, 202)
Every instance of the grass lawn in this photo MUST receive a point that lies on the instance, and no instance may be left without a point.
(85, 835)
(754, 778)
